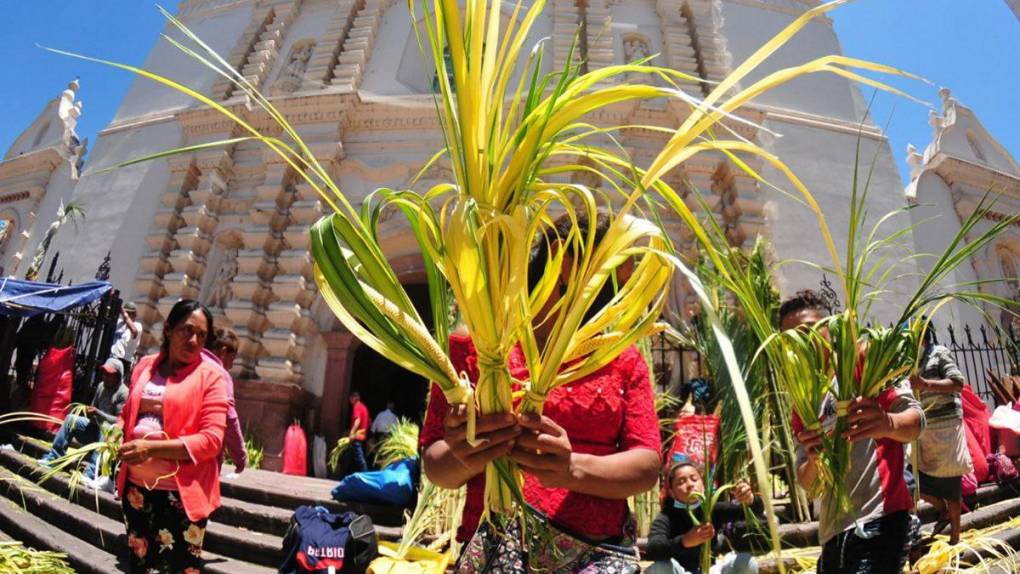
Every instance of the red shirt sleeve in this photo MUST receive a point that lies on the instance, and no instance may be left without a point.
(640, 421)
(462, 355)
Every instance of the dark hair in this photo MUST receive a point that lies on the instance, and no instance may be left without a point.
(677, 466)
(354, 395)
(803, 299)
(180, 313)
(559, 231)
(223, 338)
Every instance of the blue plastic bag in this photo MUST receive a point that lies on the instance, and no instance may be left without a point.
(392, 486)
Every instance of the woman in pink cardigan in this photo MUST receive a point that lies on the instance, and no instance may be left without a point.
(173, 425)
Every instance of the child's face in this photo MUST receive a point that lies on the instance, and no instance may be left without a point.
(686, 483)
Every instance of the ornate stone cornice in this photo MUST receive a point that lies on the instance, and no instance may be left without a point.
(954, 170)
(816, 121)
(39, 162)
(794, 7)
(191, 9)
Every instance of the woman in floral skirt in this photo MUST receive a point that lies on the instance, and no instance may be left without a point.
(173, 429)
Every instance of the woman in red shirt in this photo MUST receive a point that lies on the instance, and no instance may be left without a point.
(596, 444)
(173, 425)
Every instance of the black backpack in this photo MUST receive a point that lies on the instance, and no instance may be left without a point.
(318, 540)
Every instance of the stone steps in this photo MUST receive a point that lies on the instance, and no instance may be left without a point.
(243, 535)
(93, 542)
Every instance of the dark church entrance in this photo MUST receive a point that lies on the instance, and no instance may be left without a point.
(378, 380)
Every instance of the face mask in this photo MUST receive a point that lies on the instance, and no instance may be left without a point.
(683, 505)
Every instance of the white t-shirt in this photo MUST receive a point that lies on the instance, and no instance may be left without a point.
(124, 343)
(383, 421)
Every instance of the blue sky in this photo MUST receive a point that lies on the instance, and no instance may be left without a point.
(974, 50)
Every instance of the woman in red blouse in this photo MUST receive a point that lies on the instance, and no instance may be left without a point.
(596, 444)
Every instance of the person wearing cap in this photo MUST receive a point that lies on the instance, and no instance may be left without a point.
(104, 409)
(127, 335)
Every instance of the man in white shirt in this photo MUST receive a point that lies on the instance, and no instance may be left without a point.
(384, 420)
(127, 336)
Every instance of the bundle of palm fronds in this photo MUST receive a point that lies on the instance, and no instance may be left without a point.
(979, 550)
(513, 136)
(15, 558)
(401, 442)
(74, 460)
(337, 454)
(253, 449)
(436, 515)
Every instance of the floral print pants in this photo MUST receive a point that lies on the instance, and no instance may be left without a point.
(161, 538)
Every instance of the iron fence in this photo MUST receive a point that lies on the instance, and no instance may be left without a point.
(24, 340)
(982, 353)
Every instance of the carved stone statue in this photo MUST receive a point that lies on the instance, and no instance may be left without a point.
(635, 48)
(69, 111)
(294, 72)
(915, 160)
(222, 291)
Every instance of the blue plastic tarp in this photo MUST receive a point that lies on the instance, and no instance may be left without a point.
(28, 298)
(391, 486)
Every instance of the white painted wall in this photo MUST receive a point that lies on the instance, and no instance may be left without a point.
(60, 187)
(824, 161)
(120, 205)
(220, 31)
(747, 28)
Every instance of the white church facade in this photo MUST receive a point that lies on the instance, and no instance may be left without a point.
(230, 226)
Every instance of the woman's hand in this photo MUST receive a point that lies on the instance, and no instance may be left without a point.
(543, 451)
(743, 494)
(698, 535)
(496, 432)
(135, 451)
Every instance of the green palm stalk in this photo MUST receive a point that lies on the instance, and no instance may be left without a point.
(15, 558)
(400, 443)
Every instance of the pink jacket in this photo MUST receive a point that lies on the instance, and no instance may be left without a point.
(195, 411)
(233, 437)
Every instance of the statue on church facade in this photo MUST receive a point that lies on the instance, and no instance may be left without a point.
(221, 290)
(69, 111)
(294, 71)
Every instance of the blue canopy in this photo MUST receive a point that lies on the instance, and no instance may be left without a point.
(28, 298)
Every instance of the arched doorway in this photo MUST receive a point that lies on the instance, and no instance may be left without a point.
(352, 366)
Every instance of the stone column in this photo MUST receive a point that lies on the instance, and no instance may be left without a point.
(341, 346)
(357, 48)
(155, 266)
(324, 58)
(566, 19)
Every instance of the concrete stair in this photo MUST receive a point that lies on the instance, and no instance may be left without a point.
(243, 536)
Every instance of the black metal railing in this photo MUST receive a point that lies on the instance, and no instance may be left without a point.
(980, 352)
(92, 326)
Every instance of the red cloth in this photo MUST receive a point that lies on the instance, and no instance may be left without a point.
(52, 391)
(612, 410)
(194, 411)
(695, 435)
(979, 437)
(360, 414)
(295, 451)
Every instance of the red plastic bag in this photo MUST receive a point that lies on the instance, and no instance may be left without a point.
(979, 438)
(52, 391)
(295, 451)
(695, 436)
(969, 483)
